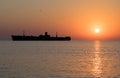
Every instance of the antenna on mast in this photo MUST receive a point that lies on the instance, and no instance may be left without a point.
(56, 34)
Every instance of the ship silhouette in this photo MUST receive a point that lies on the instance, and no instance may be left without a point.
(45, 37)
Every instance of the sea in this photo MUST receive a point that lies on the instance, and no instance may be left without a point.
(60, 59)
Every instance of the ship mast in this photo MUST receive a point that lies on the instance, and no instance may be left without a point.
(23, 33)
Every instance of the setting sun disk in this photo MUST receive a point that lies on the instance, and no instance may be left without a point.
(97, 30)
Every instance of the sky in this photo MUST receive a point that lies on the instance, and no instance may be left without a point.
(76, 18)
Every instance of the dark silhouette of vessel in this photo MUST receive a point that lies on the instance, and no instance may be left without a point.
(45, 37)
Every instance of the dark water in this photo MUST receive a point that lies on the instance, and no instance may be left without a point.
(74, 59)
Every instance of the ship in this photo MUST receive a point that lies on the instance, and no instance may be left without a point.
(45, 37)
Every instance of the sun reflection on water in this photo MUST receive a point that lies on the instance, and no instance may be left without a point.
(97, 64)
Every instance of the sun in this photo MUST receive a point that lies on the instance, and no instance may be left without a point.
(97, 30)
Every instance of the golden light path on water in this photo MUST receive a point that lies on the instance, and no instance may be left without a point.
(97, 64)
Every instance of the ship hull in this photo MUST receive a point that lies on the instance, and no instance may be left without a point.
(37, 38)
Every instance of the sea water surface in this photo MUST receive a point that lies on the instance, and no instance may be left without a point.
(60, 59)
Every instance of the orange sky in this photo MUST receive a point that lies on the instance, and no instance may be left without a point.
(77, 18)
